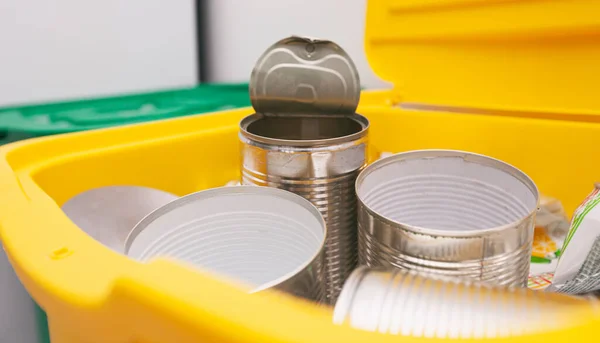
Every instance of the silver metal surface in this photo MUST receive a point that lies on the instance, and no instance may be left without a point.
(315, 76)
(321, 170)
(258, 237)
(305, 137)
(408, 303)
(108, 214)
(447, 212)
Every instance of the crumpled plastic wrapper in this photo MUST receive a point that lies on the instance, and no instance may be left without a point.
(588, 278)
(551, 229)
(578, 269)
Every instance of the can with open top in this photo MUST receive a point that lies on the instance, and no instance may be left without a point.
(261, 238)
(306, 137)
(447, 212)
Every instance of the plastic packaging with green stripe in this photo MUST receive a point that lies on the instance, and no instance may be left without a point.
(17, 123)
(578, 268)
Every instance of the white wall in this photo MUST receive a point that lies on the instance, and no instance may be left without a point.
(64, 49)
(241, 30)
(60, 49)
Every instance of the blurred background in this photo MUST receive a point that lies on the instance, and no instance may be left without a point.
(58, 50)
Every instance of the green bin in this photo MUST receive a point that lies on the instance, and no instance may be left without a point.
(17, 123)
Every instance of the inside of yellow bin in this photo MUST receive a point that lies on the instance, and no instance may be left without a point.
(559, 155)
(84, 285)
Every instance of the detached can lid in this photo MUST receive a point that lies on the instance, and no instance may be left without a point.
(302, 75)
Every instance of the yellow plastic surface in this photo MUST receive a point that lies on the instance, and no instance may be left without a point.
(506, 55)
(531, 63)
(93, 295)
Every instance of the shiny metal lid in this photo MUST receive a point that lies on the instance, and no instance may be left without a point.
(301, 75)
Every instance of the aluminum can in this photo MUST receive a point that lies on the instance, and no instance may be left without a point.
(408, 303)
(108, 214)
(447, 212)
(258, 237)
(305, 137)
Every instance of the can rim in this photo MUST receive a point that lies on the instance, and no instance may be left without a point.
(254, 117)
(471, 156)
(220, 191)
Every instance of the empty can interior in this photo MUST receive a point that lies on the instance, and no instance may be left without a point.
(308, 130)
(257, 235)
(447, 192)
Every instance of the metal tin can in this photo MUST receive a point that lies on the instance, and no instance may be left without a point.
(259, 237)
(305, 137)
(407, 303)
(447, 212)
(108, 214)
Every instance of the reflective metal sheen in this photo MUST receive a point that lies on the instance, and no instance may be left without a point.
(447, 212)
(305, 137)
(108, 214)
(304, 75)
(407, 303)
(320, 170)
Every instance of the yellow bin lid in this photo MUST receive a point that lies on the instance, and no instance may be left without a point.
(490, 55)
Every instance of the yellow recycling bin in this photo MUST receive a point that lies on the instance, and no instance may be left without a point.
(508, 79)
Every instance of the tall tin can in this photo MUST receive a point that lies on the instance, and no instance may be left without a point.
(448, 212)
(261, 238)
(305, 137)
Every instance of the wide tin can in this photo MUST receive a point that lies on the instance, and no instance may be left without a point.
(258, 237)
(448, 212)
